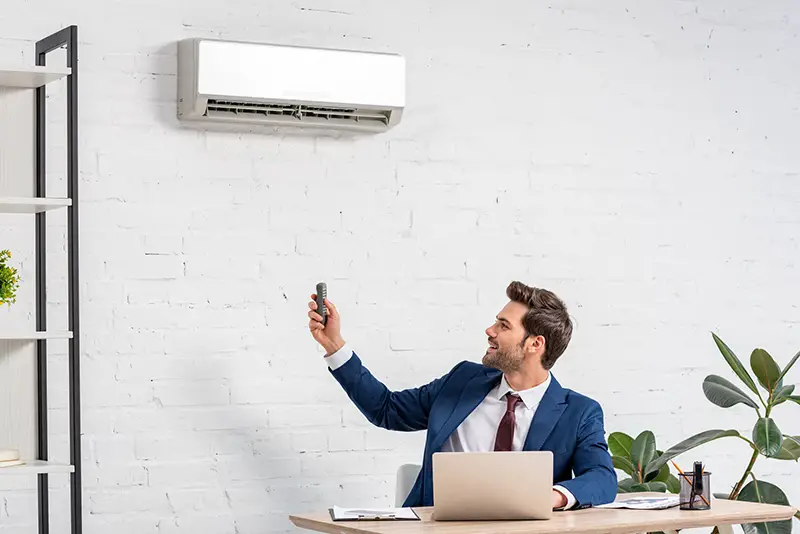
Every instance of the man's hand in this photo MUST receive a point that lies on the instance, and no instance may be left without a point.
(328, 335)
(559, 499)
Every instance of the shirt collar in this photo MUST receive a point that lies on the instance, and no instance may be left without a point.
(530, 397)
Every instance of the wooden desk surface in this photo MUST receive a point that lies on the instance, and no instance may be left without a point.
(589, 520)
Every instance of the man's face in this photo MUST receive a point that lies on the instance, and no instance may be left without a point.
(506, 351)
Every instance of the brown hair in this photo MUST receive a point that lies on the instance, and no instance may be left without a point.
(547, 316)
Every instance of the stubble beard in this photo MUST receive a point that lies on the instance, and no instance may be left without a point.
(508, 361)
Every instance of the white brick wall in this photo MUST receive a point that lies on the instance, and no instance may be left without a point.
(638, 159)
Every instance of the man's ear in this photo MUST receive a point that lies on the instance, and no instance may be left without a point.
(535, 344)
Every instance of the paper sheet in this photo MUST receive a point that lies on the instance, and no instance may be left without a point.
(372, 514)
(644, 503)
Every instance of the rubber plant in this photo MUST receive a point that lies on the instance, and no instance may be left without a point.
(9, 280)
(633, 457)
(768, 440)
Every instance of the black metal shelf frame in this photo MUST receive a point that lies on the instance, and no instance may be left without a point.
(68, 37)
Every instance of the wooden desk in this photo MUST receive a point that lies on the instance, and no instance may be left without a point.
(589, 520)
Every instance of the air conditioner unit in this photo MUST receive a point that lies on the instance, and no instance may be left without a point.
(279, 85)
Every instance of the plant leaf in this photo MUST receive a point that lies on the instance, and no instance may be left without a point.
(790, 449)
(619, 443)
(764, 492)
(783, 394)
(656, 486)
(767, 437)
(673, 484)
(643, 450)
(724, 394)
(660, 476)
(625, 485)
(636, 488)
(789, 366)
(766, 370)
(688, 444)
(625, 465)
(794, 398)
(735, 364)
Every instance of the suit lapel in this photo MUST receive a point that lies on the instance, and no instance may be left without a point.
(471, 396)
(547, 414)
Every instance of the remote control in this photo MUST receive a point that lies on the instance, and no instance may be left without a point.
(322, 294)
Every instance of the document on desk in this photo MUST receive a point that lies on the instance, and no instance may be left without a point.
(372, 514)
(644, 503)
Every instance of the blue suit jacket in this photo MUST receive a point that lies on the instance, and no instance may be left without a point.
(566, 423)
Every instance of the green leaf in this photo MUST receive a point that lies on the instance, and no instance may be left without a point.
(794, 398)
(656, 486)
(783, 394)
(643, 450)
(766, 370)
(767, 437)
(724, 394)
(688, 444)
(619, 443)
(673, 484)
(790, 449)
(658, 476)
(764, 492)
(625, 485)
(636, 488)
(624, 465)
(789, 366)
(735, 364)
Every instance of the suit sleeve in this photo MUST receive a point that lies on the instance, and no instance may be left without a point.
(405, 410)
(595, 479)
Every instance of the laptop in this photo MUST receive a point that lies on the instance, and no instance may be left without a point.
(484, 486)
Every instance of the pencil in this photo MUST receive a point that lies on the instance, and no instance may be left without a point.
(689, 481)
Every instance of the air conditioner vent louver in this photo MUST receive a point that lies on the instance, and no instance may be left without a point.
(297, 111)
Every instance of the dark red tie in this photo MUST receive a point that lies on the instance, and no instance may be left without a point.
(505, 432)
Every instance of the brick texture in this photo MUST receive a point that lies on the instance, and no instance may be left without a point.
(639, 159)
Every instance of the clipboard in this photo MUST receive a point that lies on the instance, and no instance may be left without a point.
(373, 514)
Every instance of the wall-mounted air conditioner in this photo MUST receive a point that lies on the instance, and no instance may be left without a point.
(279, 85)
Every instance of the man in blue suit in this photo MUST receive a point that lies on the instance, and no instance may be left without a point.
(510, 402)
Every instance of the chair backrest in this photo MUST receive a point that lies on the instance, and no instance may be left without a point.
(406, 477)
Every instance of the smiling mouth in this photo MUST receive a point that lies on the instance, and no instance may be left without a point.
(492, 347)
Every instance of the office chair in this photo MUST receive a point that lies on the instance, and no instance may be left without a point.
(406, 476)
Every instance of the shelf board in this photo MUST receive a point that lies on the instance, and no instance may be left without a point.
(34, 467)
(32, 204)
(32, 336)
(31, 77)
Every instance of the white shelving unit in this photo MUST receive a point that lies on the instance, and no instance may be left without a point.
(37, 467)
(25, 196)
(14, 335)
(32, 205)
(31, 77)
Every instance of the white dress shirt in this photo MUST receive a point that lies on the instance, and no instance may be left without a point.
(477, 432)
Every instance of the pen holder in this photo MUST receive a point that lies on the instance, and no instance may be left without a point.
(695, 496)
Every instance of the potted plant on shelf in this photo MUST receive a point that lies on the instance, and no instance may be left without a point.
(9, 282)
(768, 440)
(9, 279)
